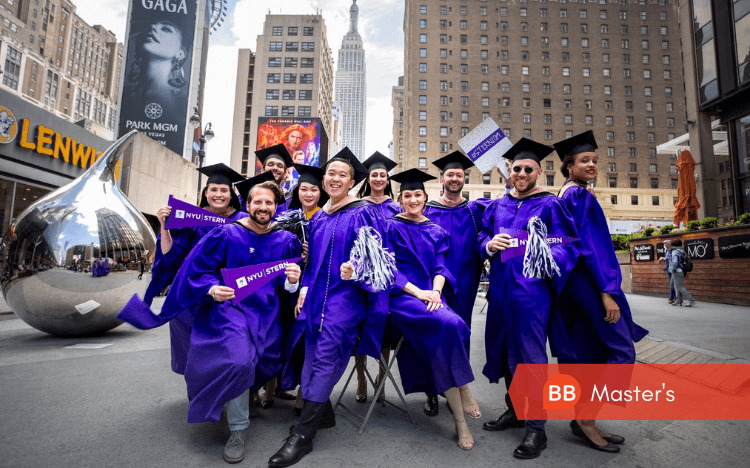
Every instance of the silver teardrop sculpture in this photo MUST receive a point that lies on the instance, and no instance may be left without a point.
(47, 257)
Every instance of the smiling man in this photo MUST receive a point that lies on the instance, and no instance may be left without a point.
(521, 303)
(462, 220)
(277, 160)
(331, 307)
(235, 346)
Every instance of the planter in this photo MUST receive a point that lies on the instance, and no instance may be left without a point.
(721, 265)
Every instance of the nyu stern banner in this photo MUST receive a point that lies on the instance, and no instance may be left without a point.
(247, 280)
(486, 145)
(187, 215)
(518, 239)
(158, 58)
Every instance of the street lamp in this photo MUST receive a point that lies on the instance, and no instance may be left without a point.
(206, 135)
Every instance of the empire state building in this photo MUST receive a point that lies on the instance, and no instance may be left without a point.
(351, 87)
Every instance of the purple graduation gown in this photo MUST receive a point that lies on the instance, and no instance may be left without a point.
(523, 312)
(163, 274)
(433, 358)
(596, 341)
(387, 209)
(340, 305)
(233, 345)
(463, 223)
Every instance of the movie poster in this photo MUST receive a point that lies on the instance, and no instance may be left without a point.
(158, 61)
(305, 139)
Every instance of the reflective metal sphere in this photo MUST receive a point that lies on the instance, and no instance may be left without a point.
(70, 260)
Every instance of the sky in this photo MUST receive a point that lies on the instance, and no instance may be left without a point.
(380, 25)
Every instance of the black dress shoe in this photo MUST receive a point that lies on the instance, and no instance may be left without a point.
(360, 398)
(532, 445)
(431, 407)
(505, 421)
(294, 448)
(609, 448)
(265, 404)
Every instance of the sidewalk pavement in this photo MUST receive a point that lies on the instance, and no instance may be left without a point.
(117, 403)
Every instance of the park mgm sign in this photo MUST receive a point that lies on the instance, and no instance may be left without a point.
(47, 141)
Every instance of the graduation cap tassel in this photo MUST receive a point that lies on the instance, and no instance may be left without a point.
(538, 261)
(293, 221)
(373, 265)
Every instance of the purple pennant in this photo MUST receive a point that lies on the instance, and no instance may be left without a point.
(247, 280)
(187, 215)
(518, 240)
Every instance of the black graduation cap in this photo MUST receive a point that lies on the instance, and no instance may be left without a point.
(345, 155)
(312, 175)
(528, 149)
(581, 143)
(378, 161)
(246, 185)
(276, 151)
(220, 174)
(413, 179)
(455, 160)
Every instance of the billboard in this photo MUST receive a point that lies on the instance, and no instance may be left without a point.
(158, 55)
(305, 139)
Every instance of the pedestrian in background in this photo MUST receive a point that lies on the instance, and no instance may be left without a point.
(667, 252)
(678, 276)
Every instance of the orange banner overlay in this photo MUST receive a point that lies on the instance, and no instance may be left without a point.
(632, 391)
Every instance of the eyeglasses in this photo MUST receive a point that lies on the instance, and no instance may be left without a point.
(526, 169)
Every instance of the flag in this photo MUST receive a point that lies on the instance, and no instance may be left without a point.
(246, 280)
(187, 215)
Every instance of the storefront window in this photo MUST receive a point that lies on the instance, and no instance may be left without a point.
(742, 38)
(705, 55)
(13, 205)
(743, 156)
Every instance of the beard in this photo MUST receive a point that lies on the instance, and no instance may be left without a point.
(530, 187)
(254, 216)
(449, 190)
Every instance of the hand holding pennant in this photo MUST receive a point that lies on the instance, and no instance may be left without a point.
(187, 215)
(485, 145)
(246, 280)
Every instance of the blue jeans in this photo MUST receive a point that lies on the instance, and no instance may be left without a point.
(238, 412)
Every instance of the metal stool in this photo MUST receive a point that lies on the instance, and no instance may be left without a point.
(386, 365)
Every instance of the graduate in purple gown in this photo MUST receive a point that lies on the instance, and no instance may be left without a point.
(462, 220)
(310, 197)
(594, 308)
(174, 245)
(104, 267)
(377, 191)
(524, 290)
(235, 346)
(277, 160)
(95, 268)
(334, 308)
(433, 358)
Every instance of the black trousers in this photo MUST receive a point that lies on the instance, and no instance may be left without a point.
(313, 414)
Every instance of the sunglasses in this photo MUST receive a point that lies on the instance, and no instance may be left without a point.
(526, 169)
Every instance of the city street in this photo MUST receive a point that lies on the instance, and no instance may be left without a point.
(121, 405)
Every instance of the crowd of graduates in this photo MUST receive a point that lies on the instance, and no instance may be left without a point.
(300, 330)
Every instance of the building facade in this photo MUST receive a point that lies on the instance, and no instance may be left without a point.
(351, 87)
(290, 75)
(547, 70)
(716, 51)
(397, 142)
(55, 60)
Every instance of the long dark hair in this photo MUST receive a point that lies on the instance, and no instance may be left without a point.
(365, 190)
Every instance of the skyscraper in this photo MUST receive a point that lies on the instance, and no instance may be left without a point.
(290, 75)
(351, 87)
(548, 70)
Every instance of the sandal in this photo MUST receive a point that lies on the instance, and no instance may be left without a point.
(472, 410)
(465, 442)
